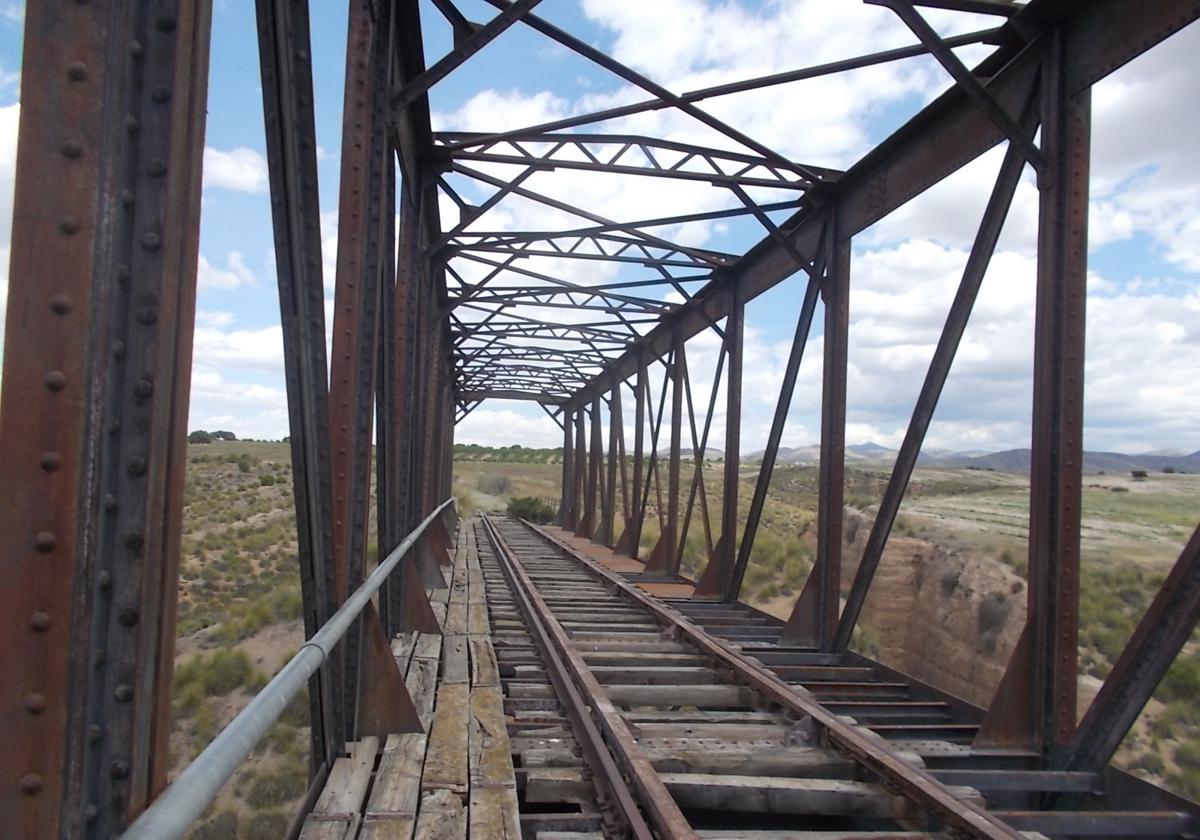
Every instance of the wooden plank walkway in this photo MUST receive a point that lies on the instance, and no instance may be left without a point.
(456, 779)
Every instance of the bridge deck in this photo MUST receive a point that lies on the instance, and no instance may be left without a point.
(504, 757)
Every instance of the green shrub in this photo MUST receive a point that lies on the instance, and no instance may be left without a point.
(1182, 681)
(533, 509)
(268, 826)
(215, 675)
(221, 827)
(266, 480)
(494, 485)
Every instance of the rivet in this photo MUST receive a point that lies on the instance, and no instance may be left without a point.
(45, 542)
(118, 769)
(128, 617)
(135, 48)
(134, 540)
(151, 241)
(60, 304)
(114, 426)
(98, 658)
(110, 502)
(31, 784)
(72, 149)
(68, 225)
(118, 349)
(55, 380)
(40, 621)
(104, 580)
(165, 23)
(127, 197)
(158, 166)
(77, 71)
(123, 693)
(50, 461)
(147, 315)
(90, 811)
(143, 388)
(93, 733)
(131, 124)
(161, 95)
(35, 704)
(122, 272)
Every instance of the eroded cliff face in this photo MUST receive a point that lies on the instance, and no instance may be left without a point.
(948, 620)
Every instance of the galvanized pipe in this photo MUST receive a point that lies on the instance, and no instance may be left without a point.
(198, 785)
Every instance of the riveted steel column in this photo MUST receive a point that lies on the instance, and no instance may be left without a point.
(97, 369)
(580, 477)
(814, 617)
(566, 507)
(1036, 702)
(637, 505)
(595, 456)
(284, 52)
(608, 509)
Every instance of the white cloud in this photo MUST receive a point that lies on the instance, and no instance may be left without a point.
(260, 350)
(250, 410)
(491, 426)
(241, 169)
(234, 276)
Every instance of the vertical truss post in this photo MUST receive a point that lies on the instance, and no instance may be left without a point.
(285, 48)
(787, 388)
(813, 621)
(637, 504)
(1035, 704)
(595, 468)
(608, 520)
(716, 580)
(97, 368)
(579, 479)
(662, 559)
(566, 507)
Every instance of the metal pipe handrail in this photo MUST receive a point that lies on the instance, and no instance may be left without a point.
(172, 813)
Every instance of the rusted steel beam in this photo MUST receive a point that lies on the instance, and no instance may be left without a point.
(782, 406)
(595, 465)
(946, 135)
(1036, 702)
(579, 479)
(97, 367)
(608, 519)
(637, 497)
(1157, 640)
(284, 50)
(815, 614)
(566, 507)
(939, 369)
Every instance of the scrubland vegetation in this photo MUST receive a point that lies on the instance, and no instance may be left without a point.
(239, 612)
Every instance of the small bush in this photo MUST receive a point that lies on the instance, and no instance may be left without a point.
(266, 480)
(268, 826)
(276, 788)
(1182, 681)
(533, 509)
(200, 436)
(1139, 475)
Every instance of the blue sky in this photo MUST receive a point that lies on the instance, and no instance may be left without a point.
(1144, 344)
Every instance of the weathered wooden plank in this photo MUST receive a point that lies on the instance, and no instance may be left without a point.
(346, 787)
(701, 696)
(422, 685)
(429, 646)
(490, 757)
(454, 659)
(387, 828)
(456, 620)
(439, 610)
(478, 624)
(556, 784)
(446, 756)
(794, 762)
(344, 828)
(442, 816)
(402, 650)
(776, 795)
(495, 813)
(484, 670)
(397, 788)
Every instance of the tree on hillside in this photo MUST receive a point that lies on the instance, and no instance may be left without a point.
(199, 436)
(222, 435)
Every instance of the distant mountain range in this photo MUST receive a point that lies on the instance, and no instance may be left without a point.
(1010, 460)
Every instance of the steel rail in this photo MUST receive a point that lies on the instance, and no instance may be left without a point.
(908, 781)
(173, 813)
(549, 640)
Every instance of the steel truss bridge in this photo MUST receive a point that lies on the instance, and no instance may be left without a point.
(490, 677)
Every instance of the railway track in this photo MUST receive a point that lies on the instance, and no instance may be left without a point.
(687, 719)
